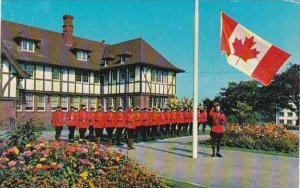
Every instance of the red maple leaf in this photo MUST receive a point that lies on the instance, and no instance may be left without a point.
(244, 51)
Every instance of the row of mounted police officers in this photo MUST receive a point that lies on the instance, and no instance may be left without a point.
(145, 123)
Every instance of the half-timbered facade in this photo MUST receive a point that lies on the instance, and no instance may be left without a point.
(41, 69)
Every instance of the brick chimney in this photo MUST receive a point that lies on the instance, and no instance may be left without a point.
(68, 29)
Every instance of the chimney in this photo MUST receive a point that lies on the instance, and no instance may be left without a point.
(68, 29)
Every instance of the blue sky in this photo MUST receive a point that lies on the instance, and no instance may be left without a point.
(168, 26)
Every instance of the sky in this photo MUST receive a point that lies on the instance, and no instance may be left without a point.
(167, 25)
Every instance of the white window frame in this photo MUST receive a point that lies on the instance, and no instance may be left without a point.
(53, 102)
(30, 70)
(131, 101)
(131, 75)
(29, 102)
(165, 77)
(76, 101)
(94, 102)
(105, 103)
(85, 100)
(122, 59)
(106, 78)
(54, 72)
(114, 103)
(153, 75)
(159, 77)
(41, 102)
(65, 103)
(123, 102)
(97, 75)
(85, 75)
(114, 76)
(122, 75)
(81, 55)
(26, 45)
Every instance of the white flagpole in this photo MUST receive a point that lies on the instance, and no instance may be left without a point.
(196, 50)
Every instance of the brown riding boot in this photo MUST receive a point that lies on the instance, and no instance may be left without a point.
(98, 141)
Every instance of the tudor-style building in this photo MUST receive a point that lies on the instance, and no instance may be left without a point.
(41, 69)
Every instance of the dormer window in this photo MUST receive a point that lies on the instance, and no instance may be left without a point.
(82, 55)
(104, 62)
(27, 45)
(122, 59)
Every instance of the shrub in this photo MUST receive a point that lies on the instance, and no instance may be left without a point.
(61, 164)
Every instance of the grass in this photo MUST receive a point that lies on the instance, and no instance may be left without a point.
(291, 154)
(178, 184)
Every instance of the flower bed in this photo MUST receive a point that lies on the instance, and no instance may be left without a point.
(268, 137)
(61, 164)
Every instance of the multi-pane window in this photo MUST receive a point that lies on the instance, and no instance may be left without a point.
(64, 103)
(122, 75)
(290, 114)
(81, 55)
(54, 102)
(104, 62)
(41, 103)
(122, 59)
(29, 102)
(94, 102)
(55, 74)
(131, 74)
(105, 103)
(289, 122)
(114, 76)
(151, 102)
(19, 102)
(123, 102)
(76, 102)
(153, 75)
(27, 45)
(114, 103)
(85, 101)
(131, 101)
(29, 70)
(281, 114)
(281, 122)
(159, 77)
(106, 78)
(165, 77)
(96, 78)
(77, 76)
(85, 76)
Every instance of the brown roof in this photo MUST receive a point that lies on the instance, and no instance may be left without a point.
(51, 49)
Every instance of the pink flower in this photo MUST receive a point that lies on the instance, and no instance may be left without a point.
(12, 163)
(27, 153)
(80, 168)
(64, 157)
(101, 172)
(84, 150)
(2, 160)
(59, 166)
(22, 162)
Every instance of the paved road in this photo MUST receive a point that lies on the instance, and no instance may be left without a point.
(172, 158)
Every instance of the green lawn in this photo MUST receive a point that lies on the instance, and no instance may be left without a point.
(291, 154)
(178, 184)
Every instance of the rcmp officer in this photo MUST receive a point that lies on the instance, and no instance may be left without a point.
(216, 133)
(58, 122)
(137, 122)
(110, 125)
(130, 128)
(83, 121)
(91, 124)
(144, 123)
(99, 124)
(204, 119)
(119, 117)
(71, 122)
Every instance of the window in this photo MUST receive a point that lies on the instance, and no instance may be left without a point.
(97, 78)
(77, 76)
(123, 102)
(281, 122)
(131, 101)
(81, 55)
(54, 102)
(29, 102)
(153, 75)
(41, 103)
(289, 122)
(114, 77)
(29, 70)
(27, 46)
(64, 103)
(151, 102)
(85, 100)
(159, 77)
(160, 102)
(122, 59)
(19, 102)
(76, 102)
(106, 78)
(290, 114)
(131, 74)
(94, 102)
(85, 76)
(281, 114)
(165, 78)
(105, 103)
(122, 75)
(104, 62)
(55, 74)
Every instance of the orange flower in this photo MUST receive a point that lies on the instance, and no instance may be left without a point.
(117, 158)
(53, 164)
(43, 159)
(39, 166)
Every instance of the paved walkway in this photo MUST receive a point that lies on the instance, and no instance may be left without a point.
(172, 158)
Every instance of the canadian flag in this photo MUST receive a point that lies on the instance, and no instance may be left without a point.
(249, 53)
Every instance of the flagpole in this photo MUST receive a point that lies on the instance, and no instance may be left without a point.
(195, 105)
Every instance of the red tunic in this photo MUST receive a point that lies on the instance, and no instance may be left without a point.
(109, 119)
(204, 116)
(92, 118)
(144, 118)
(83, 119)
(71, 119)
(130, 120)
(199, 116)
(99, 119)
(119, 119)
(137, 120)
(185, 116)
(57, 119)
(218, 119)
